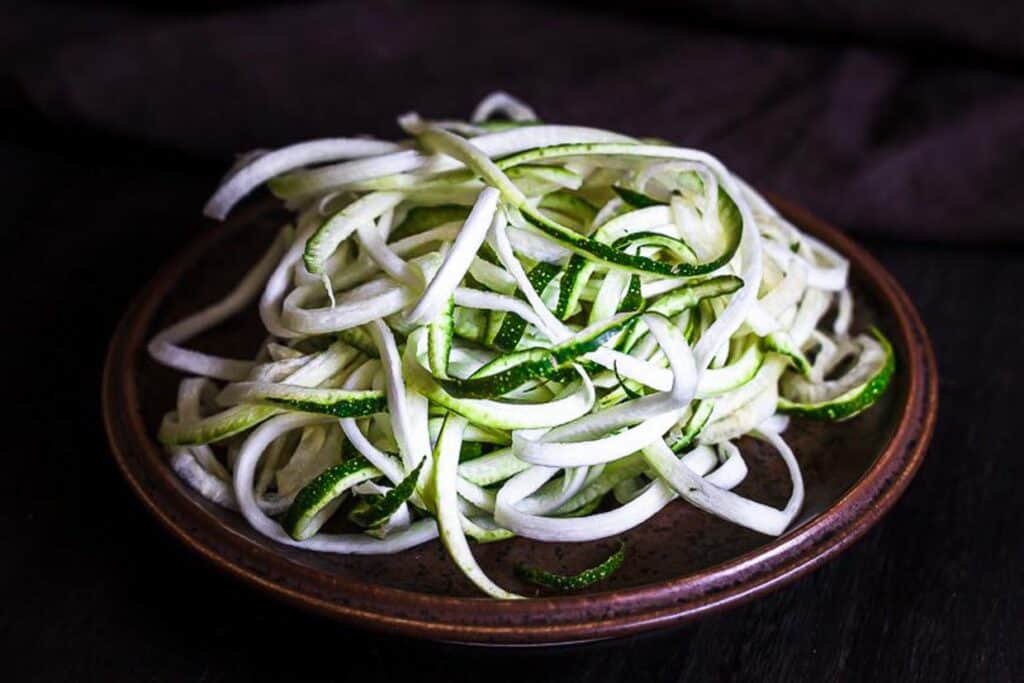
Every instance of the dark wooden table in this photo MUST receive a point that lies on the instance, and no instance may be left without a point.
(93, 589)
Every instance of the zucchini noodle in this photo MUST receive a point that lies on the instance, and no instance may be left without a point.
(501, 327)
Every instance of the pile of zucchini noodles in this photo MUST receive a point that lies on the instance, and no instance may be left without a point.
(502, 327)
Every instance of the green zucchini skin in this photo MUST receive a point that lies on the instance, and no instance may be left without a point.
(637, 200)
(633, 300)
(348, 408)
(374, 512)
(575, 275)
(853, 402)
(501, 383)
(512, 326)
(439, 339)
(784, 347)
(699, 418)
(317, 494)
(215, 428)
(359, 338)
(652, 239)
(536, 364)
(562, 582)
(609, 256)
(685, 297)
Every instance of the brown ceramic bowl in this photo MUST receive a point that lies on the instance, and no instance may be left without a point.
(682, 563)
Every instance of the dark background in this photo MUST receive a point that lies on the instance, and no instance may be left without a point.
(904, 125)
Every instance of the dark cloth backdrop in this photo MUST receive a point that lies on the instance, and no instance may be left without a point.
(901, 122)
(924, 145)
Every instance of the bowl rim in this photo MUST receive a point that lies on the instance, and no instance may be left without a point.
(545, 620)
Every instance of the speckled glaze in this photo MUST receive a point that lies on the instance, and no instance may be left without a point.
(681, 564)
